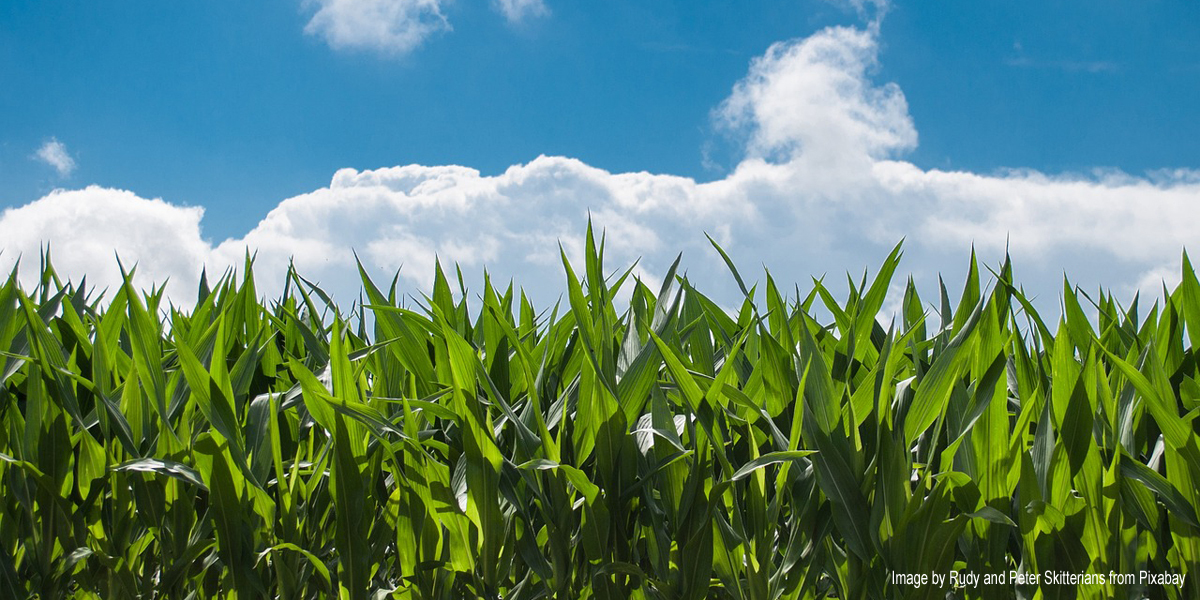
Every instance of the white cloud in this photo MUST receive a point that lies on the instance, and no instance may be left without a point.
(54, 153)
(87, 229)
(813, 100)
(387, 26)
(822, 189)
(871, 11)
(516, 11)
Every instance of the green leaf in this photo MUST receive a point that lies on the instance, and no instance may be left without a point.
(1167, 494)
(167, 468)
(933, 391)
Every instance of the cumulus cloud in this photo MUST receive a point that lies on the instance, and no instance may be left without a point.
(516, 11)
(814, 99)
(87, 229)
(54, 153)
(387, 26)
(823, 188)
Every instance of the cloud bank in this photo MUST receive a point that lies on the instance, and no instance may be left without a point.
(823, 188)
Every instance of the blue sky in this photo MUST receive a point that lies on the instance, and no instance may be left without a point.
(237, 106)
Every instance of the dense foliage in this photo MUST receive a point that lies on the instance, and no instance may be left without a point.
(472, 446)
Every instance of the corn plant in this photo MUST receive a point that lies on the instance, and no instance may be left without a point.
(661, 446)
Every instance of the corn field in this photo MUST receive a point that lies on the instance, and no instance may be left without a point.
(470, 445)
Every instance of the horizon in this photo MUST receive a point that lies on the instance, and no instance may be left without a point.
(807, 138)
